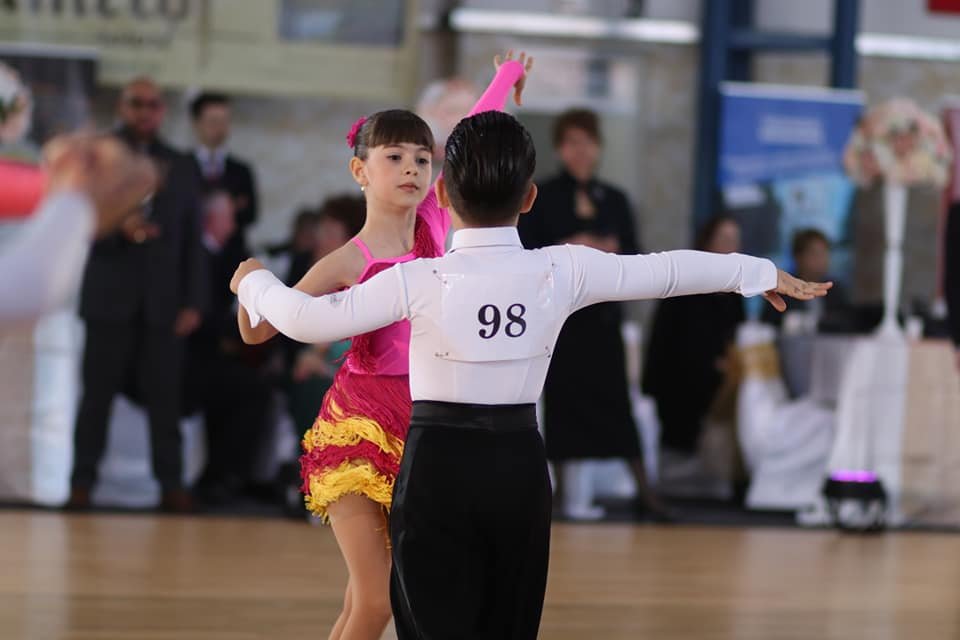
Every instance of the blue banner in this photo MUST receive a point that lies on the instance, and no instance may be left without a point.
(780, 168)
(770, 132)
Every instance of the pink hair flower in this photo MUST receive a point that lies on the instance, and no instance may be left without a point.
(354, 130)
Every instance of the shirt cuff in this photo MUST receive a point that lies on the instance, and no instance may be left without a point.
(253, 285)
(759, 276)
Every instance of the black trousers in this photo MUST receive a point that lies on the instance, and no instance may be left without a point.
(114, 353)
(470, 524)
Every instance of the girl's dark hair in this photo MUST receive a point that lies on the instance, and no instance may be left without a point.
(489, 162)
(709, 229)
(394, 126)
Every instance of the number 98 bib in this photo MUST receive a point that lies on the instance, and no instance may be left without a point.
(497, 317)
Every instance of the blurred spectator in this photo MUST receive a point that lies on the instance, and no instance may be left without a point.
(690, 336)
(224, 376)
(811, 257)
(587, 408)
(442, 105)
(142, 294)
(312, 366)
(339, 219)
(279, 258)
(951, 241)
(93, 183)
(220, 169)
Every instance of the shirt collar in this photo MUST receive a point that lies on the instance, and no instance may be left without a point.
(206, 154)
(212, 245)
(486, 237)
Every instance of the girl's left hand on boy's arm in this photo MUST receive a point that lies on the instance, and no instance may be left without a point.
(792, 287)
(246, 267)
(527, 63)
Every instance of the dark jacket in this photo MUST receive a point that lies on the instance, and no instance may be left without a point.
(125, 282)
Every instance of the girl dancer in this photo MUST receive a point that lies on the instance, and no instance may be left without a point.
(352, 452)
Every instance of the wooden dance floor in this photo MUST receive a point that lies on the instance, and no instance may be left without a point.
(125, 577)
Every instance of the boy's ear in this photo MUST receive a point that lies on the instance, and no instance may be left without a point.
(529, 199)
(357, 170)
(443, 198)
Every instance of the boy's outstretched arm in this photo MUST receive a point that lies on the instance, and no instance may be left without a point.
(600, 277)
(379, 302)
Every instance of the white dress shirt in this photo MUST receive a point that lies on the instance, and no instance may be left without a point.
(485, 317)
(212, 161)
(41, 267)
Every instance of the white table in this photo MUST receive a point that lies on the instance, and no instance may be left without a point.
(898, 414)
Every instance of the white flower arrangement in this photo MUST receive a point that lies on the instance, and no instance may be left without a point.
(898, 142)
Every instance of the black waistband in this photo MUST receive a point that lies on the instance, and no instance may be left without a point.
(500, 417)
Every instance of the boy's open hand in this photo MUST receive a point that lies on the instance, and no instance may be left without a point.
(792, 287)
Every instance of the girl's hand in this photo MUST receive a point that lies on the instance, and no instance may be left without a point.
(527, 63)
(792, 287)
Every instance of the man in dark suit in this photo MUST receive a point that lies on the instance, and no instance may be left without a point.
(225, 378)
(221, 170)
(143, 291)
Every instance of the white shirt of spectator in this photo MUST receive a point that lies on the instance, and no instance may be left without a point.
(490, 272)
(212, 161)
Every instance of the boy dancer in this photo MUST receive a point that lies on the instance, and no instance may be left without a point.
(470, 522)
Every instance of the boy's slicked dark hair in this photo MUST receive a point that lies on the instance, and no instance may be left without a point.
(490, 160)
(393, 126)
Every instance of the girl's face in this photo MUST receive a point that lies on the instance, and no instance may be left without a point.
(396, 175)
